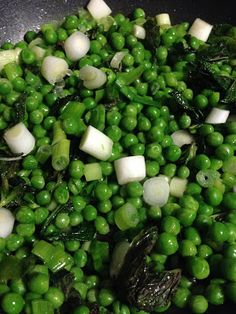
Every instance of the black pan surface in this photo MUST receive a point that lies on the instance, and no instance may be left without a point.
(19, 16)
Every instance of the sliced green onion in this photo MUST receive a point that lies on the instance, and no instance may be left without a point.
(61, 155)
(98, 9)
(19, 139)
(53, 69)
(126, 217)
(178, 186)
(96, 144)
(41, 306)
(156, 191)
(163, 19)
(200, 29)
(92, 77)
(129, 169)
(76, 46)
(53, 256)
(117, 58)
(43, 153)
(206, 178)
(229, 165)
(217, 116)
(58, 133)
(92, 171)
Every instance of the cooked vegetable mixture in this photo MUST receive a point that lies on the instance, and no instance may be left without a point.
(118, 166)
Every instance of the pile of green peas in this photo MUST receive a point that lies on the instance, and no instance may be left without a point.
(190, 237)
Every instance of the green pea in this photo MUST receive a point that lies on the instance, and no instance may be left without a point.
(55, 296)
(12, 303)
(90, 213)
(198, 304)
(167, 243)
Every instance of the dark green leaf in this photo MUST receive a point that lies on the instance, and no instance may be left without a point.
(188, 154)
(153, 37)
(84, 232)
(230, 95)
(65, 280)
(137, 283)
(181, 104)
(19, 109)
(68, 207)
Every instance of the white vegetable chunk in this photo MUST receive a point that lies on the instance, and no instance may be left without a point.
(6, 222)
(19, 139)
(178, 186)
(156, 191)
(117, 59)
(76, 46)
(39, 52)
(53, 69)
(98, 9)
(200, 29)
(93, 78)
(129, 169)
(182, 137)
(163, 19)
(217, 116)
(96, 144)
(7, 56)
(139, 32)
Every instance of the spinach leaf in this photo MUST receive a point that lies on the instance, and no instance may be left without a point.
(68, 207)
(65, 280)
(84, 232)
(180, 103)
(153, 36)
(19, 109)
(137, 283)
(230, 95)
(61, 102)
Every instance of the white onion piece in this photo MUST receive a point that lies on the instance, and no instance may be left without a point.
(182, 137)
(19, 139)
(98, 9)
(37, 41)
(129, 169)
(53, 69)
(200, 29)
(117, 58)
(6, 222)
(96, 144)
(217, 116)
(234, 189)
(156, 191)
(76, 46)
(118, 256)
(39, 52)
(93, 78)
(178, 186)
(139, 32)
(7, 56)
(163, 19)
